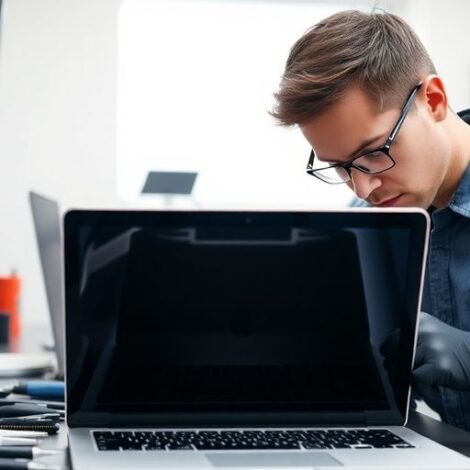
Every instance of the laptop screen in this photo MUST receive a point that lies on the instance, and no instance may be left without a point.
(241, 318)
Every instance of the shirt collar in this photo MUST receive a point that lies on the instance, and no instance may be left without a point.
(460, 201)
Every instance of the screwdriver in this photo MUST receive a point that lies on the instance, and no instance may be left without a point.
(11, 464)
(25, 452)
(17, 441)
(52, 406)
(22, 433)
(41, 389)
(21, 409)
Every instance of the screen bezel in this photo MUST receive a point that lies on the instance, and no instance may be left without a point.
(415, 219)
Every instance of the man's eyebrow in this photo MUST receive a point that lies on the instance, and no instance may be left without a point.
(363, 145)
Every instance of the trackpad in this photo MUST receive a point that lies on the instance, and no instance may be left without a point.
(272, 459)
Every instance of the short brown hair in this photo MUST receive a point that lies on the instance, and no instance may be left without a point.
(379, 52)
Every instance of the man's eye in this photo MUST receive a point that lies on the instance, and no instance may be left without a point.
(373, 154)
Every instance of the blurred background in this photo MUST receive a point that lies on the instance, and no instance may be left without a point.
(95, 94)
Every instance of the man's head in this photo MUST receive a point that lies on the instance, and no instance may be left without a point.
(377, 52)
(345, 85)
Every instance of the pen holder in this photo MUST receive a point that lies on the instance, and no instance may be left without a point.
(9, 303)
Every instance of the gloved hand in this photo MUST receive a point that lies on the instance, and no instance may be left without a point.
(442, 359)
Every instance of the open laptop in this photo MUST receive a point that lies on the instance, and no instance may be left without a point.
(47, 226)
(244, 340)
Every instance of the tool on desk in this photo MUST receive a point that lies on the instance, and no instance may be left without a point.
(28, 416)
(52, 406)
(41, 389)
(44, 389)
(33, 419)
(43, 425)
(17, 441)
(17, 433)
(23, 410)
(11, 464)
(23, 452)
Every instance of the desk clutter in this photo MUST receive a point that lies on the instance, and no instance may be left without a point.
(32, 412)
(33, 415)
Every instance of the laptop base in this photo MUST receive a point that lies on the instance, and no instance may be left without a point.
(426, 455)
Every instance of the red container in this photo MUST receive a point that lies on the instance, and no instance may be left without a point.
(9, 302)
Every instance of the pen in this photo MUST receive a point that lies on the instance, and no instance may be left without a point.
(52, 406)
(11, 464)
(12, 452)
(49, 416)
(17, 441)
(14, 411)
(16, 433)
(41, 388)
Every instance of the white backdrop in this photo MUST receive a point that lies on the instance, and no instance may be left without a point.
(59, 132)
(195, 83)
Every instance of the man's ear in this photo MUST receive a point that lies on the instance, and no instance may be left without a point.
(434, 94)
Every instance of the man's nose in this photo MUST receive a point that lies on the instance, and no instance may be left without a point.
(364, 184)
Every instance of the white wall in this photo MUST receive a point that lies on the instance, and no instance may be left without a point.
(57, 121)
(201, 104)
(442, 25)
(58, 68)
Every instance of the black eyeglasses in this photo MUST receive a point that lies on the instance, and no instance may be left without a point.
(372, 162)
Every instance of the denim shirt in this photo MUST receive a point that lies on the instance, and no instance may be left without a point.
(447, 285)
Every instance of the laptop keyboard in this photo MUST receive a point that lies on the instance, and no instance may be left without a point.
(249, 439)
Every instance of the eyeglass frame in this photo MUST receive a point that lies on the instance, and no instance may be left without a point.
(384, 149)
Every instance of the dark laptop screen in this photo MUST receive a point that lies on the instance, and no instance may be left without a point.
(240, 318)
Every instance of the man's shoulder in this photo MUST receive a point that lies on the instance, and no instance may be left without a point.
(356, 202)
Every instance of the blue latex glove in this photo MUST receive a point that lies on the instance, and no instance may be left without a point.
(442, 360)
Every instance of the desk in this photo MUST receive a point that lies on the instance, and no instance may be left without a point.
(449, 436)
(32, 340)
(445, 434)
(57, 441)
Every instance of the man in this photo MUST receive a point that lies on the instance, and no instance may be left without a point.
(366, 96)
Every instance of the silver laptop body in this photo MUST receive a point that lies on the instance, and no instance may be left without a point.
(244, 340)
(47, 226)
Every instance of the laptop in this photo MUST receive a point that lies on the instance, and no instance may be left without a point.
(244, 340)
(47, 226)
